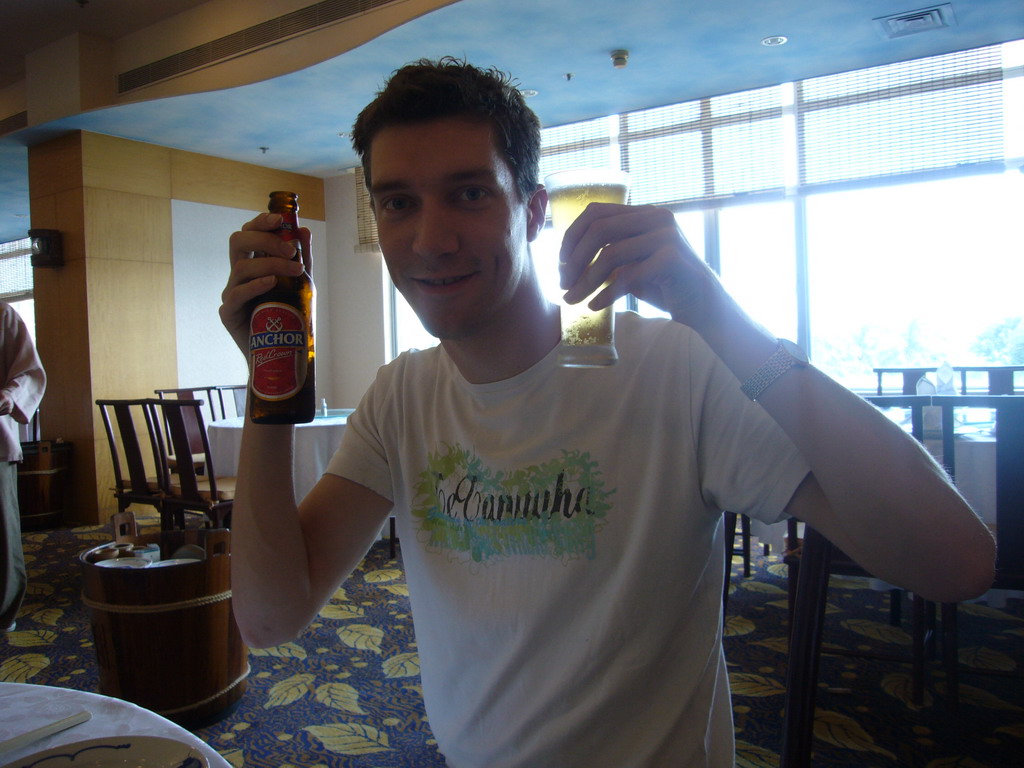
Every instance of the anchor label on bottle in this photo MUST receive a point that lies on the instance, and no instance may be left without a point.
(277, 351)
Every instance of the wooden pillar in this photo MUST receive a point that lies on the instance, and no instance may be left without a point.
(105, 323)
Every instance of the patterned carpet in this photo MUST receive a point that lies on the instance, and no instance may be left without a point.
(347, 692)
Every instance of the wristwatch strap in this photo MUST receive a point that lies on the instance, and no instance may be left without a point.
(786, 356)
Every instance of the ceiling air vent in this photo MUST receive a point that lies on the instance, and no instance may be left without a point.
(912, 22)
(246, 40)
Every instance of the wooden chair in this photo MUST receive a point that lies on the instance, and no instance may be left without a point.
(188, 490)
(807, 625)
(217, 400)
(234, 394)
(392, 537)
(923, 626)
(1000, 377)
(805, 643)
(923, 629)
(137, 436)
(731, 521)
(195, 442)
(816, 563)
(910, 378)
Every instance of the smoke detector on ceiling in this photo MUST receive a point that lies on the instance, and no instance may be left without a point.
(912, 22)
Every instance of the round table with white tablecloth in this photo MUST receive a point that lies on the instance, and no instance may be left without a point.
(24, 707)
(315, 444)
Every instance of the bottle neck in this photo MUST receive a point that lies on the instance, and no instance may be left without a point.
(289, 230)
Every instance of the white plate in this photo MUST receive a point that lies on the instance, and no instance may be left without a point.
(174, 561)
(124, 562)
(110, 752)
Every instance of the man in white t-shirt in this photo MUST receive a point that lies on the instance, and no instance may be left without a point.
(561, 527)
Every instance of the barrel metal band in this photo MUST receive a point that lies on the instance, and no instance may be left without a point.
(159, 607)
(208, 699)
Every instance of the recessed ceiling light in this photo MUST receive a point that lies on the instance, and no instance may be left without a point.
(528, 93)
(774, 40)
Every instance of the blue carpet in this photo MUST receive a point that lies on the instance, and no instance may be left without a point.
(347, 692)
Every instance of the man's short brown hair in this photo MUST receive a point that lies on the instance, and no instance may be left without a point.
(430, 90)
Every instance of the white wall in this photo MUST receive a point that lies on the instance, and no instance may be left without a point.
(355, 311)
(206, 353)
(350, 324)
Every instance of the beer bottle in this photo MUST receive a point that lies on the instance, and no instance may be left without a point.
(281, 353)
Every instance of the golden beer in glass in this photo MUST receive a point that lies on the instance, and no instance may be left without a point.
(588, 337)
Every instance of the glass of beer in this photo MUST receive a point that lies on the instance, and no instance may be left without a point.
(588, 338)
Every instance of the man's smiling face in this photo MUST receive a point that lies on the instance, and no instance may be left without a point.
(453, 229)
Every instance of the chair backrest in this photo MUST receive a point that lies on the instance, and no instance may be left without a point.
(222, 401)
(235, 394)
(132, 419)
(183, 420)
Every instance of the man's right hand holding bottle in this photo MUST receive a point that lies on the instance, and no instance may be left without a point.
(250, 277)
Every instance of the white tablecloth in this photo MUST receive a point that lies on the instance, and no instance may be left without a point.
(975, 457)
(315, 444)
(25, 707)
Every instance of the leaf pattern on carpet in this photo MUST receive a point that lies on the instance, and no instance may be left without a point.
(21, 669)
(753, 756)
(350, 738)
(362, 636)
(900, 686)
(746, 684)
(876, 630)
(845, 732)
(340, 696)
(347, 693)
(981, 657)
(289, 690)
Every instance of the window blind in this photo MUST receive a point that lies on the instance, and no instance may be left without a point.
(16, 270)
(934, 114)
(928, 114)
(366, 224)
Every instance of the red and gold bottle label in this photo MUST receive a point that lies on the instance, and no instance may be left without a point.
(277, 351)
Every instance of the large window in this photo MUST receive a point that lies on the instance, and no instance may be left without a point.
(917, 275)
(869, 215)
(16, 282)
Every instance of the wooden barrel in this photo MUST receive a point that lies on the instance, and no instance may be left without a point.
(166, 637)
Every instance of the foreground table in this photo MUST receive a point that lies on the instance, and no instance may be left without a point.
(25, 707)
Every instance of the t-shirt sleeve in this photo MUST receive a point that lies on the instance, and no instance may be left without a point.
(362, 456)
(747, 462)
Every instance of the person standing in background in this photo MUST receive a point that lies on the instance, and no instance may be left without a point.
(24, 382)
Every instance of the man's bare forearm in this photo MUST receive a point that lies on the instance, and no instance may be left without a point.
(269, 567)
(882, 498)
